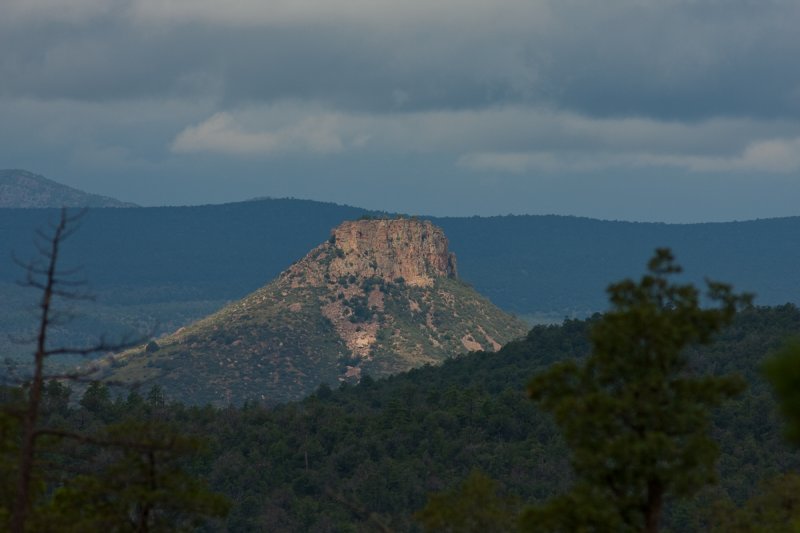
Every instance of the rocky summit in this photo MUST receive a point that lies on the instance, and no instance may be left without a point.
(381, 296)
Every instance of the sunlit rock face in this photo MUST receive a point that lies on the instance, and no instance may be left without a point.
(411, 249)
(380, 296)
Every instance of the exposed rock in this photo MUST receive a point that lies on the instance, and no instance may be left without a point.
(390, 249)
(379, 297)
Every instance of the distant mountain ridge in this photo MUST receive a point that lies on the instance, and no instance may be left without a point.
(378, 298)
(167, 266)
(23, 189)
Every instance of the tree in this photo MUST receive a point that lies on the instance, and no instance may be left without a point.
(776, 506)
(22, 408)
(774, 509)
(783, 371)
(144, 490)
(634, 416)
(476, 505)
(46, 275)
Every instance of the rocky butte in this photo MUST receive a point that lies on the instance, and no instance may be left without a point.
(390, 249)
(381, 296)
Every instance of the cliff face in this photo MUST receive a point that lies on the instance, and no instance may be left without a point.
(390, 249)
(379, 297)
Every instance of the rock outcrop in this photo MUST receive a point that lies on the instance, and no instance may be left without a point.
(379, 297)
(413, 250)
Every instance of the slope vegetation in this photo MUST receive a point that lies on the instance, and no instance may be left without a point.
(380, 297)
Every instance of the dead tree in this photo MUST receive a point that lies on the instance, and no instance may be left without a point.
(45, 274)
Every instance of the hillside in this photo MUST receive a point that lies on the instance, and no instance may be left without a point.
(156, 269)
(384, 445)
(164, 267)
(379, 297)
(20, 188)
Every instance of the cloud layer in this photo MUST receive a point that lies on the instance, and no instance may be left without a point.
(469, 90)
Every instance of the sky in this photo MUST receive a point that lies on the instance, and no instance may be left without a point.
(662, 110)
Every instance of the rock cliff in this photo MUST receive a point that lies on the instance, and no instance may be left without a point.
(390, 249)
(379, 297)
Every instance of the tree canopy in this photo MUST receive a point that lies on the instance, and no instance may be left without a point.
(635, 417)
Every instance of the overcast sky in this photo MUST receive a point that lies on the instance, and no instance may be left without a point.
(667, 110)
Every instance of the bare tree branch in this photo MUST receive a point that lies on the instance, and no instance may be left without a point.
(45, 275)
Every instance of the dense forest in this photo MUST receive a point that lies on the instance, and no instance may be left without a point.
(368, 456)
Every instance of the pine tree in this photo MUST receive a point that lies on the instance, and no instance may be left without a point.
(633, 414)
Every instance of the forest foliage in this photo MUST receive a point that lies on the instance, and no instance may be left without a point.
(384, 445)
(402, 452)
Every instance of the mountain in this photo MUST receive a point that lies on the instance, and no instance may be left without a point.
(20, 188)
(163, 267)
(381, 296)
(525, 264)
(158, 268)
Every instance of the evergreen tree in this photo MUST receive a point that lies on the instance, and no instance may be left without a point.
(145, 489)
(476, 505)
(634, 416)
(783, 372)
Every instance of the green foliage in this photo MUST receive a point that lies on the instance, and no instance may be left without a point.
(783, 372)
(635, 418)
(137, 474)
(133, 475)
(385, 444)
(774, 509)
(143, 488)
(97, 399)
(155, 398)
(475, 506)
(55, 400)
(359, 308)
(9, 457)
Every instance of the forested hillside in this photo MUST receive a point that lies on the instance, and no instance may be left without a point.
(344, 460)
(524, 263)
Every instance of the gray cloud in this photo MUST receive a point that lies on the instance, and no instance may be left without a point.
(501, 133)
(665, 59)
(204, 101)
